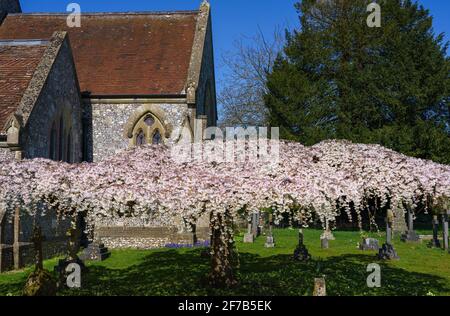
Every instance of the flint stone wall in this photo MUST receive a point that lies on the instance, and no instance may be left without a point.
(105, 126)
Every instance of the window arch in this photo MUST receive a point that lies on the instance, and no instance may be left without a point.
(148, 130)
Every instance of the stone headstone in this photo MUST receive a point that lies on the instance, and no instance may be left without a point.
(255, 224)
(95, 252)
(270, 242)
(301, 253)
(324, 243)
(410, 235)
(327, 233)
(435, 243)
(369, 244)
(249, 237)
(445, 232)
(387, 252)
(320, 288)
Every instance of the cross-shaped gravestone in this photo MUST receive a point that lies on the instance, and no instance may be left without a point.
(387, 251)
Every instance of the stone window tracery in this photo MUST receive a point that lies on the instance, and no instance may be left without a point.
(148, 130)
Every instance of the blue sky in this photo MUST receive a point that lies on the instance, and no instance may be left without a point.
(231, 18)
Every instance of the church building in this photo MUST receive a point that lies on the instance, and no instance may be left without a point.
(84, 93)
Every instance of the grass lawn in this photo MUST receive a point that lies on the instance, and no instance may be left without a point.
(266, 272)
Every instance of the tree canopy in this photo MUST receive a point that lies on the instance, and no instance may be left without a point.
(340, 79)
(150, 182)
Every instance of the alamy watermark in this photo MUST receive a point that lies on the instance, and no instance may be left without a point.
(374, 278)
(231, 145)
(374, 18)
(74, 18)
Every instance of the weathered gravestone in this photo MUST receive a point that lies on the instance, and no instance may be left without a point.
(410, 235)
(320, 288)
(369, 244)
(95, 251)
(301, 253)
(255, 224)
(270, 241)
(387, 251)
(327, 234)
(435, 243)
(445, 231)
(249, 237)
(324, 243)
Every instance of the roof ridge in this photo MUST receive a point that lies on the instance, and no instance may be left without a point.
(181, 12)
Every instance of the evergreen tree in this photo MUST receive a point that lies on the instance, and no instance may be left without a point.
(339, 78)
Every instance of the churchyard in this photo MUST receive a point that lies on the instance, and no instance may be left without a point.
(264, 271)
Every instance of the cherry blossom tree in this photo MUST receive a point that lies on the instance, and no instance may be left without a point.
(150, 183)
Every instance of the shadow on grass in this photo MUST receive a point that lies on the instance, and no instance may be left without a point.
(174, 273)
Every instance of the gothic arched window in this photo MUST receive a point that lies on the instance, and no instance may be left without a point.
(148, 130)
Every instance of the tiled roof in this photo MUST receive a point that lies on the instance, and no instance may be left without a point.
(18, 62)
(119, 54)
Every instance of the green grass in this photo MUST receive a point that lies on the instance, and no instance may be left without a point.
(266, 272)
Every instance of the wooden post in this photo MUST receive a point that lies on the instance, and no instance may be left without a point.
(16, 244)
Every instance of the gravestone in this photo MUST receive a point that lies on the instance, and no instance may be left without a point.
(328, 234)
(95, 251)
(73, 246)
(248, 237)
(410, 235)
(369, 244)
(255, 224)
(270, 241)
(387, 251)
(435, 243)
(445, 231)
(324, 243)
(320, 288)
(301, 253)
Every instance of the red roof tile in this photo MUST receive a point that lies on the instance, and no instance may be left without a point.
(119, 54)
(17, 66)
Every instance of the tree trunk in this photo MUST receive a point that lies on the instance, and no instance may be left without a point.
(223, 254)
